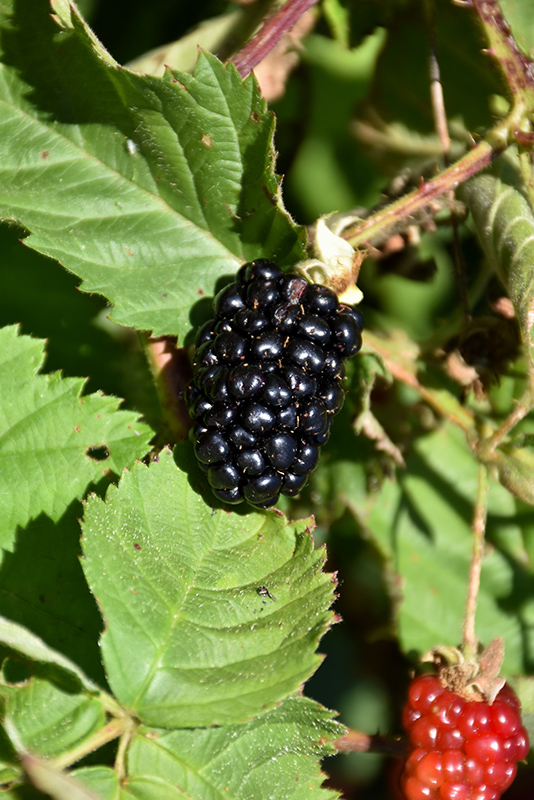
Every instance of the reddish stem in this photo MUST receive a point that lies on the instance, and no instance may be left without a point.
(518, 69)
(269, 35)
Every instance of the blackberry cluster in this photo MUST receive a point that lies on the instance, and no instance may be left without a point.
(267, 381)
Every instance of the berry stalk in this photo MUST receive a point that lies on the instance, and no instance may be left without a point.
(479, 528)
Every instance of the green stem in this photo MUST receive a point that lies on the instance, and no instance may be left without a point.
(122, 752)
(470, 641)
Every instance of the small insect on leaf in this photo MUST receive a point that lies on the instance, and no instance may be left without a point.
(264, 592)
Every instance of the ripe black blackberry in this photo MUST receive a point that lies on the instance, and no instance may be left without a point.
(267, 381)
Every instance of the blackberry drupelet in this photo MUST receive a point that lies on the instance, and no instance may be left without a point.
(267, 381)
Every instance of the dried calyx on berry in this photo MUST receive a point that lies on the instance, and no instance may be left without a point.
(267, 380)
(464, 743)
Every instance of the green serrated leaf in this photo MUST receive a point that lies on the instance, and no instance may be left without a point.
(222, 611)
(273, 757)
(80, 339)
(54, 443)
(149, 189)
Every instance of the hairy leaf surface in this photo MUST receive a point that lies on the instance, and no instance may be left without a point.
(504, 222)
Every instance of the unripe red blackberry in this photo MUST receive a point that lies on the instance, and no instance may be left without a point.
(267, 381)
(460, 749)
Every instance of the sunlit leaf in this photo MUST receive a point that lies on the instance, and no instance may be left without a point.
(210, 617)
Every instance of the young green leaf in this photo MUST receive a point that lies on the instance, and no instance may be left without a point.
(210, 617)
(54, 443)
(149, 189)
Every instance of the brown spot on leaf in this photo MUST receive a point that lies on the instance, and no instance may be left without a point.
(137, 546)
(44, 154)
(206, 140)
(77, 429)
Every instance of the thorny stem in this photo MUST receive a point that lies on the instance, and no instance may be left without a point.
(479, 529)
(517, 68)
(357, 742)
(250, 17)
(400, 213)
(518, 72)
(269, 35)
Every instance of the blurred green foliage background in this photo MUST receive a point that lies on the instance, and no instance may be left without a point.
(355, 112)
